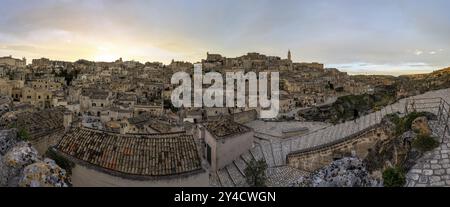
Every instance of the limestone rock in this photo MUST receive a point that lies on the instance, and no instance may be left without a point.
(44, 174)
(21, 155)
(8, 138)
(12, 164)
(20, 165)
(346, 172)
(408, 136)
(420, 125)
(3, 173)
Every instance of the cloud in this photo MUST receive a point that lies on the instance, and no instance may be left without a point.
(418, 52)
(387, 33)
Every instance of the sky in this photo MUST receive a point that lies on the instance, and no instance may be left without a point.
(357, 36)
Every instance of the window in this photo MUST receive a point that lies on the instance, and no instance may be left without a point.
(208, 153)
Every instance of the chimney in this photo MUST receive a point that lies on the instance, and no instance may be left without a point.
(68, 118)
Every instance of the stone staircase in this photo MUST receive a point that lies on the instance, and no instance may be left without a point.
(275, 152)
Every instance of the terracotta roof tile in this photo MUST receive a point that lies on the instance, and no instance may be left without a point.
(135, 154)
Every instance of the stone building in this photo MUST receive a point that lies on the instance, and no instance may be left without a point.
(13, 62)
(94, 101)
(39, 98)
(44, 127)
(224, 140)
(111, 159)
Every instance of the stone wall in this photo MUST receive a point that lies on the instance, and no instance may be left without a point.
(42, 143)
(245, 116)
(358, 145)
(89, 177)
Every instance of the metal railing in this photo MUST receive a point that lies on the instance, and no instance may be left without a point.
(439, 106)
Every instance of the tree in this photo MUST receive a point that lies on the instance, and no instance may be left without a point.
(255, 173)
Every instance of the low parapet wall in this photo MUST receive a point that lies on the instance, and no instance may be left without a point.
(357, 144)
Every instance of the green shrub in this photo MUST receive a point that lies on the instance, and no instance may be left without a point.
(411, 116)
(394, 177)
(255, 173)
(394, 118)
(61, 161)
(425, 143)
(404, 124)
(23, 134)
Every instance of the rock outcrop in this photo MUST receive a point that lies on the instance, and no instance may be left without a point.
(8, 138)
(420, 125)
(20, 165)
(44, 174)
(345, 172)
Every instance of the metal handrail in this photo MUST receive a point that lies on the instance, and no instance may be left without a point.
(443, 111)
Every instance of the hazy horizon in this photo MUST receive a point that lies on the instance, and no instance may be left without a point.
(370, 37)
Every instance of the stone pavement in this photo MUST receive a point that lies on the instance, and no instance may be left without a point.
(433, 169)
(275, 129)
(274, 153)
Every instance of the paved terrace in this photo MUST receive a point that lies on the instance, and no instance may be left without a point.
(275, 153)
(433, 169)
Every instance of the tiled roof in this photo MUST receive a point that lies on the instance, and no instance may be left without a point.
(95, 93)
(153, 122)
(225, 127)
(39, 123)
(133, 154)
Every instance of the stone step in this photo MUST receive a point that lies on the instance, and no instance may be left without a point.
(285, 149)
(329, 135)
(345, 129)
(236, 176)
(240, 164)
(378, 119)
(214, 180)
(315, 139)
(340, 131)
(367, 121)
(257, 153)
(358, 124)
(383, 113)
(372, 119)
(396, 107)
(295, 143)
(353, 127)
(389, 109)
(308, 142)
(268, 155)
(224, 178)
(247, 156)
(277, 154)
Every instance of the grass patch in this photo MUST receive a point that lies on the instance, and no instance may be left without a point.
(23, 134)
(425, 143)
(394, 177)
(404, 124)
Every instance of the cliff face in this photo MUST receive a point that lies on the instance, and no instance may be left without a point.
(21, 166)
(343, 109)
